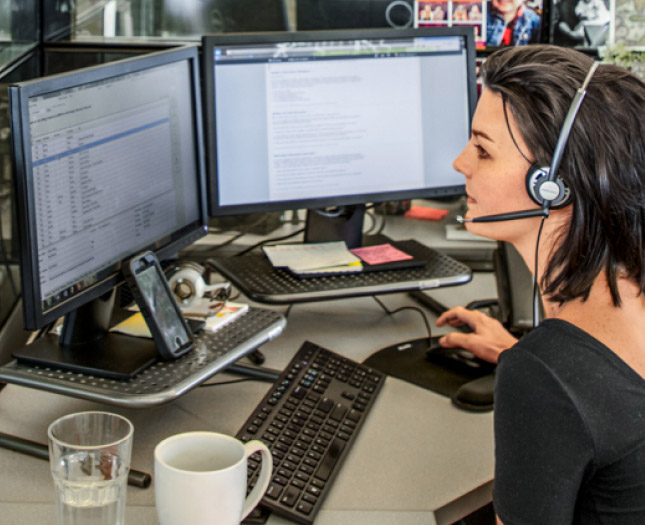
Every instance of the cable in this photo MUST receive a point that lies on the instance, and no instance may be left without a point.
(536, 295)
(231, 382)
(288, 311)
(383, 223)
(401, 309)
(227, 242)
(274, 239)
(246, 229)
(371, 217)
(5, 261)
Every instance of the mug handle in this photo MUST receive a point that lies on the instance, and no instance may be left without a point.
(262, 483)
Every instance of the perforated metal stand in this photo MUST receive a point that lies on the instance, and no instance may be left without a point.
(254, 275)
(165, 380)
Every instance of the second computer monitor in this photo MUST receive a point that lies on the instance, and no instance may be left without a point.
(333, 118)
(108, 162)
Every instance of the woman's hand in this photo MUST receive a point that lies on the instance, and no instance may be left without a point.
(487, 340)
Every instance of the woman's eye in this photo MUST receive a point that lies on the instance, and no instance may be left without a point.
(481, 152)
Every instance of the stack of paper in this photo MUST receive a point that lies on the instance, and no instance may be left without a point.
(313, 258)
(215, 315)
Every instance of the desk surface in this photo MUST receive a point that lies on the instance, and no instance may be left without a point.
(418, 459)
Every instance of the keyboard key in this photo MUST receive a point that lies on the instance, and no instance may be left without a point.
(330, 459)
(273, 491)
(290, 496)
(304, 507)
(354, 415)
(326, 405)
(299, 484)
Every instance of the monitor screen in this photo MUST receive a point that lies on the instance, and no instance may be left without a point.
(108, 163)
(331, 118)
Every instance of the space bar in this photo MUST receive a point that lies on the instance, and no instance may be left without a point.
(330, 459)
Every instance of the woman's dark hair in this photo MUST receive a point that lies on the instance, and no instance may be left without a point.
(603, 162)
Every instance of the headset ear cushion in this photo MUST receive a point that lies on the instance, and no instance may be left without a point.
(558, 193)
(186, 281)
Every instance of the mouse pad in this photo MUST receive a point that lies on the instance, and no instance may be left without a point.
(407, 361)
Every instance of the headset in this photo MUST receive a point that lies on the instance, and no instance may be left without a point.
(542, 183)
(186, 280)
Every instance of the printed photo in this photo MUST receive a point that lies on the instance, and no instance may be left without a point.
(454, 13)
(432, 11)
(513, 23)
(581, 23)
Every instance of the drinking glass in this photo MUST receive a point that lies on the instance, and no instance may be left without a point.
(89, 457)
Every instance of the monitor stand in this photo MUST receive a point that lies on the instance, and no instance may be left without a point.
(344, 223)
(252, 273)
(87, 346)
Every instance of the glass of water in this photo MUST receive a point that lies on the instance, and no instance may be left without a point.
(89, 456)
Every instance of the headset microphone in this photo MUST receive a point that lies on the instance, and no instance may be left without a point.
(540, 212)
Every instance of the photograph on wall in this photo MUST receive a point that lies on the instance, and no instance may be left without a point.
(581, 23)
(432, 12)
(513, 22)
(449, 13)
(479, 61)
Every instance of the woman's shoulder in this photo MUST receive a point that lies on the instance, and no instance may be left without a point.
(556, 341)
(558, 364)
(575, 364)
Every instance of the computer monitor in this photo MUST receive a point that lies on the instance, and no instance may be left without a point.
(336, 118)
(108, 162)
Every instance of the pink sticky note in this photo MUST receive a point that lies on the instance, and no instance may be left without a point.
(428, 214)
(379, 254)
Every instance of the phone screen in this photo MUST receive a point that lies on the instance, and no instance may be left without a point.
(161, 306)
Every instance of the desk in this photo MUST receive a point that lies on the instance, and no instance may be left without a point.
(417, 460)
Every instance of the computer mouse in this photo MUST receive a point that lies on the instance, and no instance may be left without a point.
(458, 359)
(476, 395)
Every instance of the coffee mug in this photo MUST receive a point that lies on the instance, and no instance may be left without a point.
(201, 477)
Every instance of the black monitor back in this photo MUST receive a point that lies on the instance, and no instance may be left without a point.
(515, 289)
(350, 14)
(226, 16)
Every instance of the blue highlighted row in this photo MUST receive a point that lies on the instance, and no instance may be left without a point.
(99, 142)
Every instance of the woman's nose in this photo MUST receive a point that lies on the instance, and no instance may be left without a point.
(460, 164)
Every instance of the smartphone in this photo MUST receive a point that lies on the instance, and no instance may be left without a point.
(158, 305)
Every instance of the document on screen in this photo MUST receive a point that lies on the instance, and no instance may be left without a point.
(333, 128)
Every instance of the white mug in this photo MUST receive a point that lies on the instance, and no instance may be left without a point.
(200, 478)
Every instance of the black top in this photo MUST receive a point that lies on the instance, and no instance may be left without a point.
(569, 432)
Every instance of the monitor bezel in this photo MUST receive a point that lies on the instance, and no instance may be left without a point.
(35, 315)
(210, 41)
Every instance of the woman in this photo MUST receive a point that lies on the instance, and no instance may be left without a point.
(570, 396)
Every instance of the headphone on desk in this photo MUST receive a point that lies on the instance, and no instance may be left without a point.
(187, 283)
(543, 184)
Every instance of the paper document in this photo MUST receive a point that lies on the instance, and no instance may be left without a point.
(216, 316)
(311, 256)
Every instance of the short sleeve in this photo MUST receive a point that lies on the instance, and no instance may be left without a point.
(543, 451)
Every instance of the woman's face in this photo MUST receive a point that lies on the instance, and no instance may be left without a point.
(495, 171)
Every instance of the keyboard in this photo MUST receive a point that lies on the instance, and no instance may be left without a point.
(309, 420)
